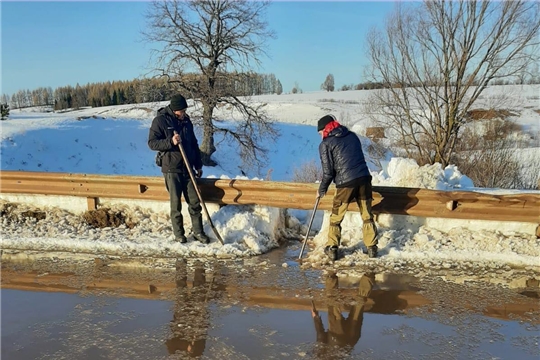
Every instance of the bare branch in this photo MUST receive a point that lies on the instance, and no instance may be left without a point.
(435, 60)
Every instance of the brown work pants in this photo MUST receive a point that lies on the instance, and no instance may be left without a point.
(362, 194)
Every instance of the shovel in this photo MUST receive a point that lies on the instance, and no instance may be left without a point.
(309, 226)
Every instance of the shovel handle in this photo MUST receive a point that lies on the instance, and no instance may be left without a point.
(309, 226)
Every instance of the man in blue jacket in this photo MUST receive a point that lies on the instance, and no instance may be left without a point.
(343, 162)
(170, 127)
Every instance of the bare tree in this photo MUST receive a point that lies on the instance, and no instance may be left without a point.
(208, 46)
(435, 59)
(21, 99)
(487, 154)
(328, 83)
(14, 103)
(307, 172)
(296, 88)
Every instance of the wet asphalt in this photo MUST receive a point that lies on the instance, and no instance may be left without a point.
(74, 306)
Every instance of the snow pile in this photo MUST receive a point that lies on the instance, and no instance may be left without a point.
(429, 246)
(407, 173)
(250, 227)
(246, 231)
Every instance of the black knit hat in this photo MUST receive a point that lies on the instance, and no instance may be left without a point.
(325, 120)
(178, 102)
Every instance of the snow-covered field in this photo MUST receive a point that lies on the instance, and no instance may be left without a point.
(112, 140)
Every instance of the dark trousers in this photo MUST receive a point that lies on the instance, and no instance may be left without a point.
(178, 184)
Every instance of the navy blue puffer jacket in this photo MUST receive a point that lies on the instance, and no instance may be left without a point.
(342, 158)
(159, 139)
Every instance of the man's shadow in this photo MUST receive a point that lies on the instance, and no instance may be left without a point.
(343, 332)
(191, 318)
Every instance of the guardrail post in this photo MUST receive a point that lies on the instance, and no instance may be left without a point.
(92, 203)
(451, 205)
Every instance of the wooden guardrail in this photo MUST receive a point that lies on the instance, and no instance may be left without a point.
(387, 200)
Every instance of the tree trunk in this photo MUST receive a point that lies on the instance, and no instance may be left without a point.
(207, 147)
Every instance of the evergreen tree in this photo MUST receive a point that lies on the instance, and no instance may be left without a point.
(279, 89)
(4, 111)
(121, 96)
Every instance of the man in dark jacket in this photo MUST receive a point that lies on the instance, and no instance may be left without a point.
(343, 162)
(170, 127)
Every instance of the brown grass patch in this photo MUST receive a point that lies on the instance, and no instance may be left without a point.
(376, 132)
(90, 117)
(106, 217)
(490, 114)
(537, 111)
(6, 209)
(38, 215)
(10, 211)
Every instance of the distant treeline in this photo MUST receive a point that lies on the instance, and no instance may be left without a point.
(136, 91)
(150, 90)
(379, 85)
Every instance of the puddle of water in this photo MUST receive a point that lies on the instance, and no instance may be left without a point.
(227, 310)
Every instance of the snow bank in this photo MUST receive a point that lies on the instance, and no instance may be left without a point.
(246, 231)
(407, 173)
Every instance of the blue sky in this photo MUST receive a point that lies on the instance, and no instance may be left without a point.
(65, 43)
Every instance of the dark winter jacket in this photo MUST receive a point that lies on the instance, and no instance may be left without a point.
(342, 159)
(160, 139)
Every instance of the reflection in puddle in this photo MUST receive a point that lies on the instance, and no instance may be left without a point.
(222, 310)
(189, 326)
(342, 331)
